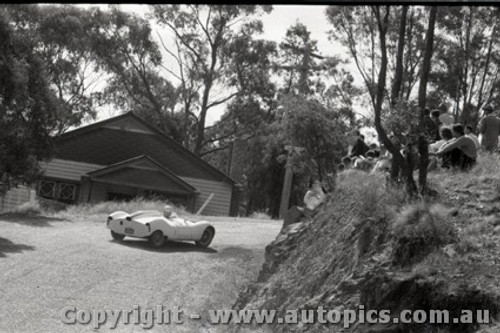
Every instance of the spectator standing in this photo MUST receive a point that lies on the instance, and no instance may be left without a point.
(435, 118)
(489, 127)
(429, 127)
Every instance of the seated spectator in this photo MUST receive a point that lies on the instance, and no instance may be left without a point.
(313, 198)
(460, 152)
(374, 148)
(371, 154)
(446, 135)
(382, 165)
(365, 163)
(469, 133)
(347, 161)
(384, 152)
(360, 147)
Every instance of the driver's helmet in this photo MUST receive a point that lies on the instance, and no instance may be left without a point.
(167, 211)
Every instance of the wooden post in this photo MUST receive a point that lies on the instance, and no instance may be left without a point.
(205, 204)
(287, 185)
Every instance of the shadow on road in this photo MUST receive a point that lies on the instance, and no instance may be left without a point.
(7, 246)
(30, 220)
(167, 248)
(236, 252)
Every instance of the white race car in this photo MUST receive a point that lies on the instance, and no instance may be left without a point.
(152, 224)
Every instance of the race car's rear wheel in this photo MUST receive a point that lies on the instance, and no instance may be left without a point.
(157, 238)
(206, 238)
(117, 236)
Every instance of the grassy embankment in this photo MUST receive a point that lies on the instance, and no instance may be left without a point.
(369, 245)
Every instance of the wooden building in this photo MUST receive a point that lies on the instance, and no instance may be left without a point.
(124, 157)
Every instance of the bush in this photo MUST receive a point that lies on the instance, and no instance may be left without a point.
(28, 208)
(418, 230)
(107, 207)
(375, 199)
(260, 216)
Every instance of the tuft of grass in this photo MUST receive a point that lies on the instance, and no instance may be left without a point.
(434, 262)
(478, 227)
(28, 208)
(107, 207)
(423, 220)
(468, 244)
(260, 216)
(418, 230)
(374, 197)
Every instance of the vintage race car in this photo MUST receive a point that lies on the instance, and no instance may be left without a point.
(151, 224)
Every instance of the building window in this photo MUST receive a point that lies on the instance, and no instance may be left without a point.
(67, 192)
(47, 189)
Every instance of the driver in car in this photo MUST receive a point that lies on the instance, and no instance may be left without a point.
(168, 213)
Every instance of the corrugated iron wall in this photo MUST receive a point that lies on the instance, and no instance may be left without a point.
(220, 203)
(16, 197)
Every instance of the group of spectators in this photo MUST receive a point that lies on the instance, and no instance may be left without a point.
(451, 146)
(366, 157)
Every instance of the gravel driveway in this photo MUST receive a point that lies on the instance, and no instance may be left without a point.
(50, 265)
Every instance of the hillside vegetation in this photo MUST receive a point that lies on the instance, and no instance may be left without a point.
(369, 246)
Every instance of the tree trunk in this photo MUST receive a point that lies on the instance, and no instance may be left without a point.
(396, 154)
(397, 87)
(422, 142)
(411, 187)
(398, 78)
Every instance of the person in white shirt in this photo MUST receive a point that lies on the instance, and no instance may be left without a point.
(315, 196)
(461, 152)
(468, 132)
(446, 136)
(168, 213)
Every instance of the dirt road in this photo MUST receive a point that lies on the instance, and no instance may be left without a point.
(53, 269)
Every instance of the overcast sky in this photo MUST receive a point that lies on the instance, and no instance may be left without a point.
(275, 25)
(280, 19)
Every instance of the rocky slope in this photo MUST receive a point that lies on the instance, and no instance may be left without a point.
(368, 248)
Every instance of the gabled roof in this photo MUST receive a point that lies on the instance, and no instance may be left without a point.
(144, 171)
(135, 136)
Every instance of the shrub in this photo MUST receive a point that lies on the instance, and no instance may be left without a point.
(106, 207)
(375, 199)
(418, 230)
(260, 216)
(468, 244)
(28, 208)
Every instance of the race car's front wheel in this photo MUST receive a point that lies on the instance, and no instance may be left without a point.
(206, 238)
(157, 238)
(117, 236)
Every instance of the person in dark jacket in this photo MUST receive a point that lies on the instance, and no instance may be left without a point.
(489, 127)
(435, 118)
(429, 127)
(360, 147)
